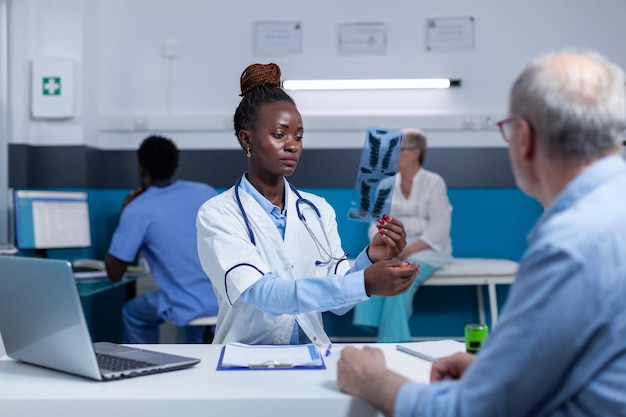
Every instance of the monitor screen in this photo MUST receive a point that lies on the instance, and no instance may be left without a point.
(51, 219)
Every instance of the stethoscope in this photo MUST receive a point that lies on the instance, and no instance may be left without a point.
(299, 201)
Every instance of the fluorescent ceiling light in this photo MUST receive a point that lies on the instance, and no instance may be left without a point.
(391, 84)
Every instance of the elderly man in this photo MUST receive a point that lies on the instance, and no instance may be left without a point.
(560, 346)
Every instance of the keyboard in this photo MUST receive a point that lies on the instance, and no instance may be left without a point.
(85, 269)
(116, 364)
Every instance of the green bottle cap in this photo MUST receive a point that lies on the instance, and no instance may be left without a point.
(475, 336)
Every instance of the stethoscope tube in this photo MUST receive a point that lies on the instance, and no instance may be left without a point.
(243, 212)
(299, 201)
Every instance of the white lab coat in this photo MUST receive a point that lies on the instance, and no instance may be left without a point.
(233, 263)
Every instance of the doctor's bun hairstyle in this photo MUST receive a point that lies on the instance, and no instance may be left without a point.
(260, 84)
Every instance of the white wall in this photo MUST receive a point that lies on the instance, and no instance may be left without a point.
(124, 83)
(44, 28)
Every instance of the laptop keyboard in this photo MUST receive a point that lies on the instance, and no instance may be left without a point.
(116, 364)
(80, 268)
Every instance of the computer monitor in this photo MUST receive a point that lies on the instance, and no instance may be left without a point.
(51, 219)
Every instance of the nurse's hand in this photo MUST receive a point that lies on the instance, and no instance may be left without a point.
(132, 195)
(389, 241)
(391, 277)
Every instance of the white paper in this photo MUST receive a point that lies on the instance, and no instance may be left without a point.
(450, 34)
(270, 356)
(91, 275)
(362, 39)
(277, 38)
(7, 249)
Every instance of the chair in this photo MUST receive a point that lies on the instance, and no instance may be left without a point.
(208, 322)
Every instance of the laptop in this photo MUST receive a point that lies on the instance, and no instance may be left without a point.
(42, 323)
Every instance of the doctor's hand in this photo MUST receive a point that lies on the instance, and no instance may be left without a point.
(389, 241)
(451, 367)
(391, 277)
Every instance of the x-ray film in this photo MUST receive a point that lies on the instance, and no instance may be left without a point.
(375, 178)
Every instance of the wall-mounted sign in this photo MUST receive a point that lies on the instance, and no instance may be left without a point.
(450, 34)
(52, 87)
(277, 38)
(362, 39)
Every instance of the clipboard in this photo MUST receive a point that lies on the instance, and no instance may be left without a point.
(239, 356)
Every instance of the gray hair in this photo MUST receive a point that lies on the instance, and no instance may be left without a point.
(413, 138)
(578, 110)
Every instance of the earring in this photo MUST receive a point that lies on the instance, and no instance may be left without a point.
(248, 153)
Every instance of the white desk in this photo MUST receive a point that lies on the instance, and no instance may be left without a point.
(27, 390)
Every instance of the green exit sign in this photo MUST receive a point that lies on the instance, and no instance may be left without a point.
(51, 86)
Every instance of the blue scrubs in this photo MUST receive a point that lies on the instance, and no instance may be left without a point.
(161, 222)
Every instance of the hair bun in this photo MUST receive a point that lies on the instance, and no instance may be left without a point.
(257, 75)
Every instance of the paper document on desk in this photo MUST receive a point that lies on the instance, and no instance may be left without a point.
(90, 275)
(7, 249)
(432, 350)
(89, 269)
(242, 356)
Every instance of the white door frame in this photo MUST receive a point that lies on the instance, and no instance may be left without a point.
(4, 121)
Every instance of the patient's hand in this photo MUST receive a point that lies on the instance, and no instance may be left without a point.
(451, 367)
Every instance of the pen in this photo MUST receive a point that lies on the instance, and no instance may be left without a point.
(330, 345)
(416, 353)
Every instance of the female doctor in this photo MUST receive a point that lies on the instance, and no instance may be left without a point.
(272, 252)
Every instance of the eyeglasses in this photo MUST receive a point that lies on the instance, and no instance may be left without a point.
(505, 128)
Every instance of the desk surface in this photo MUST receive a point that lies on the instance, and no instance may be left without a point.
(27, 390)
(88, 287)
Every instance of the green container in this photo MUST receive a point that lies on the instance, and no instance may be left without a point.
(475, 336)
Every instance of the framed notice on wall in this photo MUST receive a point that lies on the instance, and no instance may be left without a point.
(277, 38)
(362, 39)
(450, 34)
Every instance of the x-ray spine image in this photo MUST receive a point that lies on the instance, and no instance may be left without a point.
(374, 181)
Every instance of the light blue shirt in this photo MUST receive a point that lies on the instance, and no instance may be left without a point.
(279, 218)
(559, 348)
(277, 296)
(162, 223)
